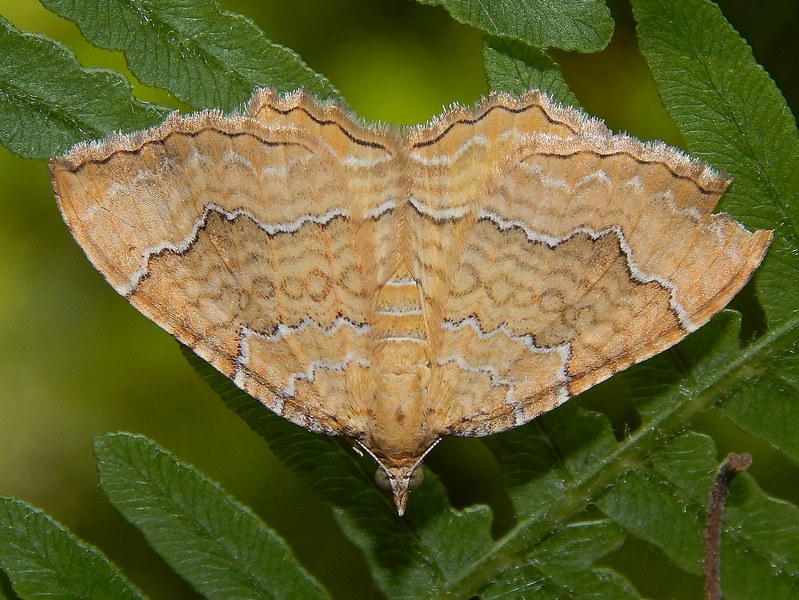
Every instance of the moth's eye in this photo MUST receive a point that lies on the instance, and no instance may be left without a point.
(417, 477)
(381, 479)
(384, 482)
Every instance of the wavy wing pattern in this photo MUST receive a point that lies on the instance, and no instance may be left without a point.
(455, 278)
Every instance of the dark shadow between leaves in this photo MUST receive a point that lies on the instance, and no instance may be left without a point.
(470, 474)
(753, 322)
(6, 591)
(655, 576)
(612, 399)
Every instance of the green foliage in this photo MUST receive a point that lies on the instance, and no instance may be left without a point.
(213, 542)
(562, 566)
(42, 558)
(732, 115)
(514, 67)
(578, 490)
(48, 102)
(205, 56)
(665, 505)
(583, 25)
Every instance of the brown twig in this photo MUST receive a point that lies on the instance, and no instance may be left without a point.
(732, 465)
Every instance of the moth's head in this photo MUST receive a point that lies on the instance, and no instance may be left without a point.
(399, 474)
(400, 480)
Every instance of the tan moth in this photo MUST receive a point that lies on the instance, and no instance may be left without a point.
(395, 286)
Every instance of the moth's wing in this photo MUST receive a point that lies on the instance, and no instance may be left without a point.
(555, 264)
(258, 246)
(476, 356)
(651, 261)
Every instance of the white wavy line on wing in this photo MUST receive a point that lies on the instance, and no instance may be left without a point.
(404, 339)
(145, 178)
(445, 214)
(599, 176)
(199, 223)
(563, 350)
(288, 167)
(365, 163)
(667, 197)
(635, 271)
(446, 159)
(381, 209)
(282, 331)
(310, 373)
(634, 183)
(496, 381)
(232, 157)
(548, 181)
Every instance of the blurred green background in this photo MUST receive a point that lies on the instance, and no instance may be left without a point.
(76, 361)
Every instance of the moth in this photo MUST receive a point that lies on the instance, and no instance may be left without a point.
(398, 285)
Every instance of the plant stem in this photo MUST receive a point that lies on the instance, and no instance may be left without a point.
(732, 465)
